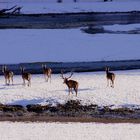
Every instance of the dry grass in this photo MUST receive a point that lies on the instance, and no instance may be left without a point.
(68, 119)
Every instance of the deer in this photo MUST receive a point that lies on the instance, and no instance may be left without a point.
(47, 72)
(8, 75)
(110, 77)
(71, 84)
(25, 76)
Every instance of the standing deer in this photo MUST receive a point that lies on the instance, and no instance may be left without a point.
(25, 76)
(110, 77)
(70, 83)
(47, 72)
(8, 75)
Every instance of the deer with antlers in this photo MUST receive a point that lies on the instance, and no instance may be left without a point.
(8, 75)
(47, 72)
(110, 77)
(25, 76)
(70, 83)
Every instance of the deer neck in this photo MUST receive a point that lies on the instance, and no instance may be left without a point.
(107, 72)
(22, 71)
(67, 81)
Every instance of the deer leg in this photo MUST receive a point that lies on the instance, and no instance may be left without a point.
(69, 91)
(50, 78)
(112, 84)
(5, 81)
(107, 82)
(75, 91)
(45, 78)
(9, 81)
(12, 81)
(29, 83)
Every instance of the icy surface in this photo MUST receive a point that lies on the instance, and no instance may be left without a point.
(66, 45)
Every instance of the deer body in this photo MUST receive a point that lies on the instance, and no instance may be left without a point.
(47, 73)
(110, 77)
(8, 75)
(26, 77)
(71, 84)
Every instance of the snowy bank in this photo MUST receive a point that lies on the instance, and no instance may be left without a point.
(92, 90)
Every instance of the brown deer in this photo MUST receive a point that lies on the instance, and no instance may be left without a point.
(25, 76)
(110, 77)
(47, 72)
(70, 83)
(8, 75)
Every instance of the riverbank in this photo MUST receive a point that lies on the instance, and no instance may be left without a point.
(36, 68)
(67, 20)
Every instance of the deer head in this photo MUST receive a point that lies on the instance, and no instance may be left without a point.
(66, 78)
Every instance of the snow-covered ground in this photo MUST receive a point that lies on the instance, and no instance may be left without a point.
(92, 89)
(66, 45)
(117, 27)
(68, 131)
(50, 6)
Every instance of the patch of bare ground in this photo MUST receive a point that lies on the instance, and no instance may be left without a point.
(71, 111)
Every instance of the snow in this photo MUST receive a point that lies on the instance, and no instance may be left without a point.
(50, 6)
(92, 89)
(117, 27)
(66, 45)
(68, 131)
